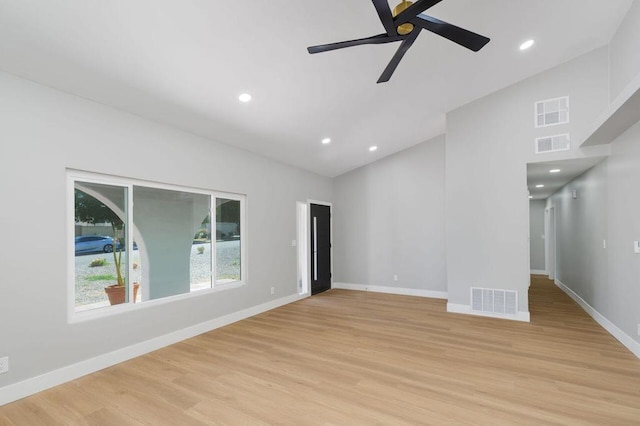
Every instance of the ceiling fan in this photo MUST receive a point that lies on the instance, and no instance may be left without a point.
(404, 24)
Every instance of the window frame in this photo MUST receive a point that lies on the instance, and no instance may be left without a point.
(73, 176)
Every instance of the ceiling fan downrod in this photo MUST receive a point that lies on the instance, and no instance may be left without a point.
(403, 29)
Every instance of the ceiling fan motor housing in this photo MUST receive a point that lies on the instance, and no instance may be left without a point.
(403, 29)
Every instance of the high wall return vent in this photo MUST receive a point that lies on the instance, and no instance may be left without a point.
(553, 143)
(552, 112)
(494, 301)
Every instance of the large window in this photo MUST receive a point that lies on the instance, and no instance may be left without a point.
(136, 242)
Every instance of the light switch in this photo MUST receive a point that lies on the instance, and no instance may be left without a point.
(294, 243)
(636, 247)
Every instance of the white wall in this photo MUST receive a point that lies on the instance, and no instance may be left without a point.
(536, 235)
(489, 143)
(608, 279)
(389, 218)
(43, 132)
(623, 51)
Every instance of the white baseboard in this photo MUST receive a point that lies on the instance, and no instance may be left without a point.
(538, 272)
(48, 380)
(620, 335)
(466, 309)
(393, 290)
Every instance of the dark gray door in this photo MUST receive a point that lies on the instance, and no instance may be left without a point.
(320, 248)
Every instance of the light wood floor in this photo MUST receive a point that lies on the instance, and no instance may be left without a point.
(351, 358)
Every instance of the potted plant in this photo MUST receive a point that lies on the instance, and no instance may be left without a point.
(90, 210)
(116, 292)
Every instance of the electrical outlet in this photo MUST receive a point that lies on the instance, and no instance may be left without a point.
(4, 365)
(638, 329)
(273, 290)
(395, 278)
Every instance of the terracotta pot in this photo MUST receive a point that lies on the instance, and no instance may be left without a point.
(116, 293)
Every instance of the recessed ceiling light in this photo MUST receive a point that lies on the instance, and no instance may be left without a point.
(245, 97)
(326, 141)
(554, 171)
(539, 186)
(527, 44)
(373, 148)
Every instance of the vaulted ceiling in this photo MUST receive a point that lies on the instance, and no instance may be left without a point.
(185, 63)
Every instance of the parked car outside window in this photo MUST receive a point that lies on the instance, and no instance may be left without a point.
(94, 244)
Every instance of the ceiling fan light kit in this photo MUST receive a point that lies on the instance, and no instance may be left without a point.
(405, 24)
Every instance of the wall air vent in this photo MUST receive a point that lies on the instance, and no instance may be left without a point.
(553, 143)
(552, 112)
(494, 301)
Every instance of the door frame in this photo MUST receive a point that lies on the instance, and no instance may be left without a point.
(302, 235)
(308, 234)
(550, 227)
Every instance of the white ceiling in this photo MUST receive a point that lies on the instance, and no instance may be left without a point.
(538, 174)
(185, 63)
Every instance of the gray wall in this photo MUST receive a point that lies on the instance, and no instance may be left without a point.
(606, 209)
(489, 143)
(623, 227)
(43, 132)
(623, 51)
(389, 218)
(581, 227)
(536, 235)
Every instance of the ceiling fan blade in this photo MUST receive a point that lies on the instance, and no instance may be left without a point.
(412, 11)
(384, 12)
(393, 64)
(377, 39)
(463, 37)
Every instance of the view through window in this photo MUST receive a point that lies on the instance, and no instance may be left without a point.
(145, 242)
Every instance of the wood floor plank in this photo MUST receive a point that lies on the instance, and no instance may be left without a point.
(358, 358)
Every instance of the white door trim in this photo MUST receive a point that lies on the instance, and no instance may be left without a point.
(302, 211)
(550, 241)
